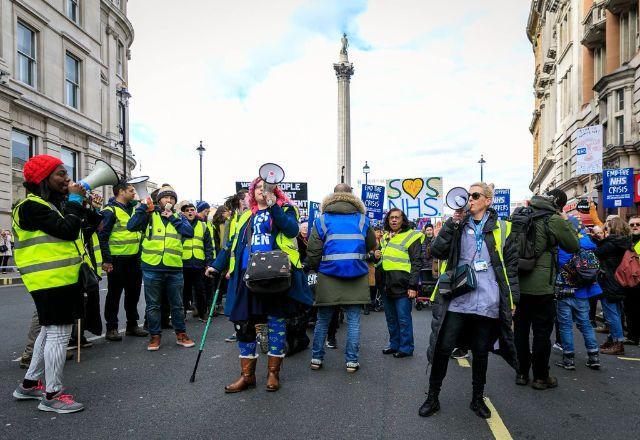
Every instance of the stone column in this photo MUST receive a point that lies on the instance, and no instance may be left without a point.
(612, 41)
(344, 70)
(587, 75)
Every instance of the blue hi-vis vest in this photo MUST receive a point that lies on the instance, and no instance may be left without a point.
(344, 251)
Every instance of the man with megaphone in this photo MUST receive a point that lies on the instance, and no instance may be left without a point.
(163, 233)
(121, 256)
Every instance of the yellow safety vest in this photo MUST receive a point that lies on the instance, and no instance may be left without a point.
(395, 252)
(194, 247)
(284, 243)
(500, 234)
(162, 243)
(44, 261)
(97, 253)
(122, 241)
(213, 242)
(636, 247)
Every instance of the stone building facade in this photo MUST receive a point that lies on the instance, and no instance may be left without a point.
(63, 87)
(586, 72)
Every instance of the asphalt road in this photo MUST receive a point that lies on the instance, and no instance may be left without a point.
(132, 393)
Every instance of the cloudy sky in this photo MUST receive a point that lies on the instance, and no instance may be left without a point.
(433, 89)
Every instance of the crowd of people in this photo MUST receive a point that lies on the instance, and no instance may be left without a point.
(494, 285)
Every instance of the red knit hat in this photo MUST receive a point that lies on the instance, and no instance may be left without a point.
(40, 167)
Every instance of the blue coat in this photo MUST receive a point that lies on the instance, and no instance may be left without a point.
(238, 305)
(564, 257)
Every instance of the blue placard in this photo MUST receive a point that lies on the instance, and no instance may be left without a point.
(373, 199)
(502, 202)
(314, 208)
(617, 187)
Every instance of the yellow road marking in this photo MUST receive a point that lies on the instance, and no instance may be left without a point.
(463, 362)
(499, 430)
(629, 359)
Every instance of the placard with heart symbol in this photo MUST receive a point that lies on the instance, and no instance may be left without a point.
(413, 186)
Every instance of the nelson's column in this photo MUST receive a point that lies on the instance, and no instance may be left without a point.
(344, 70)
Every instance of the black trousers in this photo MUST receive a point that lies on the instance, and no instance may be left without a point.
(480, 329)
(537, 313)
(334, 324)
(194, 288)
(127, 276)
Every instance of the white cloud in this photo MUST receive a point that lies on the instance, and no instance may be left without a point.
(433, 89)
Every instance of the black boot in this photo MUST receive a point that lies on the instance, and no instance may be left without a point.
(567, 362)
(479, 407)
(431, 405)
(594, 361)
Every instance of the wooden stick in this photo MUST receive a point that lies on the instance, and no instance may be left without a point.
(78, 360)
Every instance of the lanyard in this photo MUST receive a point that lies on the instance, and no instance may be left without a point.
(477, 231)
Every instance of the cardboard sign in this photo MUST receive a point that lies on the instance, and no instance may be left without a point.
(617, 188)
(589, 150)
(502, 202)
(296, 191)
(416, 197)
(373, 199)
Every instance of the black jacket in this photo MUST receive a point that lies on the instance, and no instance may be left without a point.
(57, 305)
(396, 283)
(446, 246)
(610, 251)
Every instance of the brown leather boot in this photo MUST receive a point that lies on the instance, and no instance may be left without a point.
(247, 377)
(615, 348)
(273, 378)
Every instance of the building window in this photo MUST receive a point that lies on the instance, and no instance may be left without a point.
(26, 63)
(566, 156)
(599, 59)
(620, 129)
(72, 81)
(620, 100)
(70, 160)
(22, 146)
(73, 11)
(120, 59)
(628, 35)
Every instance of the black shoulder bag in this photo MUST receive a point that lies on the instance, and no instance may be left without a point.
(457, 281)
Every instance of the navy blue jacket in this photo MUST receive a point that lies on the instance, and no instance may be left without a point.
(140, 221)
(563, 258)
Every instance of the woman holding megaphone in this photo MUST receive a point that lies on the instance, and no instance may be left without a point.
(475, 295)
(47, 226)
(269, 228)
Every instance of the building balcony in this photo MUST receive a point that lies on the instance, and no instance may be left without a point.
(620, 6)
(594, 26)
(552, 5)
(547, 67)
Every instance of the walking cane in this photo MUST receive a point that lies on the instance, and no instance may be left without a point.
(78, 325)
(204, 335)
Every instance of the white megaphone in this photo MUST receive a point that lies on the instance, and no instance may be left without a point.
(140, 185)
(101, 175)
(457, 198)
(272, 174)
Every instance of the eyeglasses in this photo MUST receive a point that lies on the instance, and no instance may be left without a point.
(476, 195)
(634, 225)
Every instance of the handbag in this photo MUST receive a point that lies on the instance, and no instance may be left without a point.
(457, 282)
(268, 273)
(3, 248)
(87, 278)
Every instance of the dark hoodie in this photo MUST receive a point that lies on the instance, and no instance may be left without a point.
(610, 252)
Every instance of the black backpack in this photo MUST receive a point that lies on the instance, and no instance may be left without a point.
(523, 229)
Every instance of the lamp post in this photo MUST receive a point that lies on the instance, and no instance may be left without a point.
(366, 170)
(200, 151)
(342, 176)
(482, 162)
(123, 97)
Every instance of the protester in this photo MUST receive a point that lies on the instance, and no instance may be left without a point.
(573, 303)
(536, 310)
(632, 301)
(121, 262)
(477, 318)
(610, 251)
(48, 229)
(271, 223)
(340, 240)
(163, 231)
(6, 251)
(401, 254)
(197, 256)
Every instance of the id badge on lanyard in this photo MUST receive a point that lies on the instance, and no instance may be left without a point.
(479, 265)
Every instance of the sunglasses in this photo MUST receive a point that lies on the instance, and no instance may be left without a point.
(634, 225)
(476, 195)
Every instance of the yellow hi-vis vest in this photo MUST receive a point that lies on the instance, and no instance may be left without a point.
(44, 261)
(213, 242)
(500, 234)
(194, 247)
(395, 252)
(122, 241)
(284, 243)
(636, 247)
(161, 243)
(97, 253)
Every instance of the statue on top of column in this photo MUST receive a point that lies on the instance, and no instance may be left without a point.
(345, 44)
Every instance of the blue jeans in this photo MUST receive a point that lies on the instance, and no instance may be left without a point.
(399, 322)
(576, 310)
(352, 347)
(611, 313)
(154, 284)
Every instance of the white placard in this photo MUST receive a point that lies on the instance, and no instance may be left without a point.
(589, 150)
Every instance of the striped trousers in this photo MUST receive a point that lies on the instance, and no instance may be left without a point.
(49, 355)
